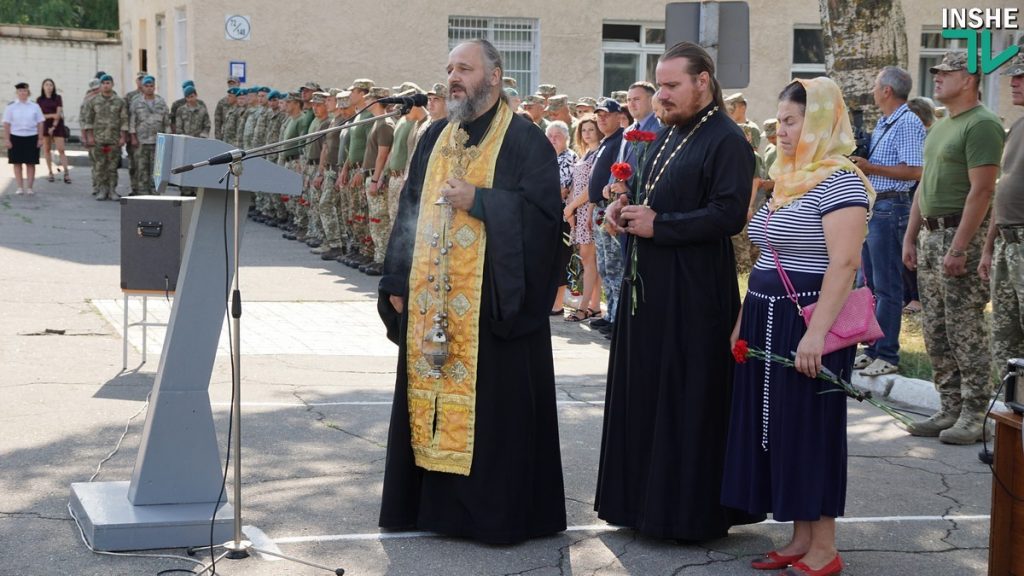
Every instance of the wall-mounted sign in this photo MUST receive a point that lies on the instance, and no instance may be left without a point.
(237, 27)
(237, 69)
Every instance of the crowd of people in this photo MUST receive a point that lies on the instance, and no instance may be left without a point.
(472, 208)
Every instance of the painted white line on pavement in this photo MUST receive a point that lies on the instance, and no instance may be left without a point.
(369, 403)
(607, 528)
(261, 541)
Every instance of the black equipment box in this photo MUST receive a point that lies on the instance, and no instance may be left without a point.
(153, 235)
(1013, 395)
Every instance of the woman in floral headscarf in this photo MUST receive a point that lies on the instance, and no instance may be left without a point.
(787, 442)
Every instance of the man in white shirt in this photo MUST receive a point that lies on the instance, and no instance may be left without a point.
(23, 135)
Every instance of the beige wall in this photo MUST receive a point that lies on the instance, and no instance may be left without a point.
(32, 53)
(333, 43)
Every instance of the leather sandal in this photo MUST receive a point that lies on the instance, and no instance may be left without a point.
(862, 361)
(774, 561)
(879, 368)
(579, 315)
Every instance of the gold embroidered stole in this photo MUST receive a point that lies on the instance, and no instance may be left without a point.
(442, 411)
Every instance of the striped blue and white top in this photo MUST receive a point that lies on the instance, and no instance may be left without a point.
(795, 231)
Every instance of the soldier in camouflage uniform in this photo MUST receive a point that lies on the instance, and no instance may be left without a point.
(379, 142)
(736, 107)
(231, 118)
(534, 106)
(128, 99)
(149, 116)
(273, 210)
(326, 181)
(260, 137)
(193, 119)
(1003, 260)
(253, 118)
(104, 128)
(94, 89)
(961, 160)
(585, 105)
(311, 154)
(179, 103)
(353, 177)
(345, 113)
(223, 106)
(545, 91)
(290, 160)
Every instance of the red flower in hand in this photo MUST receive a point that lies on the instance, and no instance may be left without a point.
(285, 197)
(622, 171)
(740, 351)
(640, 136)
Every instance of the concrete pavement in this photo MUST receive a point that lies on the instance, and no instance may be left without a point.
(317, 383)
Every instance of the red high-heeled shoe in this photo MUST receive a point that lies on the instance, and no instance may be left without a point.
(798, 568)
(774, 561)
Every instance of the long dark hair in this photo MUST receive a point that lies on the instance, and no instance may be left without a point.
(42, 88)
(699, 61)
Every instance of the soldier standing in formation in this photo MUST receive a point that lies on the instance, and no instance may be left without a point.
(149, 115)
(104, 129)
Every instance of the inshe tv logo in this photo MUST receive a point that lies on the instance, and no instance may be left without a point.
(971, 23)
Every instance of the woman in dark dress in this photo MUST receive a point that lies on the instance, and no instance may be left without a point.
(786, 451)
(53, 129)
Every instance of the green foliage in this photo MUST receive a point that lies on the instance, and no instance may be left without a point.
(94, 14)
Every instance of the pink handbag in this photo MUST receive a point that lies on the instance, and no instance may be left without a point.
(855, 323)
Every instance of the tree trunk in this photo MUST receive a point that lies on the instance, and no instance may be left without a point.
(861, 37)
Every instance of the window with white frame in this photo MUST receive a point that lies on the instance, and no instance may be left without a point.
(181, 47)
(630, 53)
(933, 48)
(517, 39)
(808, 51)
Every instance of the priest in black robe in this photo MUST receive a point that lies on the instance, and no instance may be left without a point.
(473, 446)
(670, 370)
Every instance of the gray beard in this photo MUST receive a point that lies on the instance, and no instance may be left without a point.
(469, 107)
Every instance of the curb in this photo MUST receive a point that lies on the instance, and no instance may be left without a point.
(910, 392)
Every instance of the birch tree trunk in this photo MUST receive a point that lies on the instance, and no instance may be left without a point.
(861, 37)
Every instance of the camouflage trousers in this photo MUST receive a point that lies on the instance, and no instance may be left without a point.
(106, 157)
(296, 210)
(329, 209)
(312, 194)
(361, 240)
(133, 174)
(395, 182)
(145, 155)
(745, 252)
(609, 262)
(380, 222)
(1007, 304)
(955, 333)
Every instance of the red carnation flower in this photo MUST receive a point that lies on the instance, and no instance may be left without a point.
(375, 220)
(622, 171)
(640, 136)
(740, 351)
(285, 198)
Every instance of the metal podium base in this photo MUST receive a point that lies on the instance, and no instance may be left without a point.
(110, 522)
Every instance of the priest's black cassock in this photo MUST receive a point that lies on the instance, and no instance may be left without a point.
(670, 370)
(515, 489)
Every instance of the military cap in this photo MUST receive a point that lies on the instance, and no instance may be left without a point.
(557, 102)
(511, 92)
(1016, 65)
(769, 126)
(620, 96)
(94, 84)
(572, 108)
(509, 82)
(608, 105)
(319, 97)
(334, 92)
(953, 60)
(274, 95)
(263, 89)
(189, 90)
(532, 99)
(546, 90)
(311, 86)
(736, 98)
(439, 89)
(293, 97)
(187, 83)
(378, 92)
(344, 99)
(109, 78)
(234, 80)
(141, 74)
(587, 101)
(407, 86)
(362, 84)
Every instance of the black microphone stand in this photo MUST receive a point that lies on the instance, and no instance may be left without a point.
(239, 548)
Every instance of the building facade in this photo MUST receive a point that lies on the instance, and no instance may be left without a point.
(586, 49)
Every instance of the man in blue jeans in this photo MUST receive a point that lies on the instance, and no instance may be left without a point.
(893, 166)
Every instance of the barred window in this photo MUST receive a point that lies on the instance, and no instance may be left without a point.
(517, 39)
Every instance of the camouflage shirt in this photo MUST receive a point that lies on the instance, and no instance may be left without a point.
(175, 106)
(147, 118)
(218, 117)
(193, 121)
(231, 124)
(106, 116)
(249, 131)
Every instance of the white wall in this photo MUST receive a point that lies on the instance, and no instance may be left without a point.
(70, 63)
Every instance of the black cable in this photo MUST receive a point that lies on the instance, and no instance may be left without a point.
(984, 440)
(174, 570)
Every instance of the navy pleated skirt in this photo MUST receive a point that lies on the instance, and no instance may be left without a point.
(786, 452)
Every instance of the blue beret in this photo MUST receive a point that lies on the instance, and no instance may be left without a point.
(109, 78)
(187, 83)
(190, 90)
(275, 95)
(100, 74)
(263, 88)
(146, 80)
(233, 91)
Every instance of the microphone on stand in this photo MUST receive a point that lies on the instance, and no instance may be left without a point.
(409, 101)
(225, 158)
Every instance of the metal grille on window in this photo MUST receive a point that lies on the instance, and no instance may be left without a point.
(517, 39)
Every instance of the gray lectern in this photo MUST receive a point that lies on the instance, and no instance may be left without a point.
(177, 478)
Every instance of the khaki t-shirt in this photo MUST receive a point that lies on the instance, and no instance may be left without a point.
(1009, 202)
(955, 145)
(382, 134)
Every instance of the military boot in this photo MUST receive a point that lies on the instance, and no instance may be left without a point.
(933, 426)
(967, 429)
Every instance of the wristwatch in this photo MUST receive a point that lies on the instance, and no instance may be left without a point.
(956, 253)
